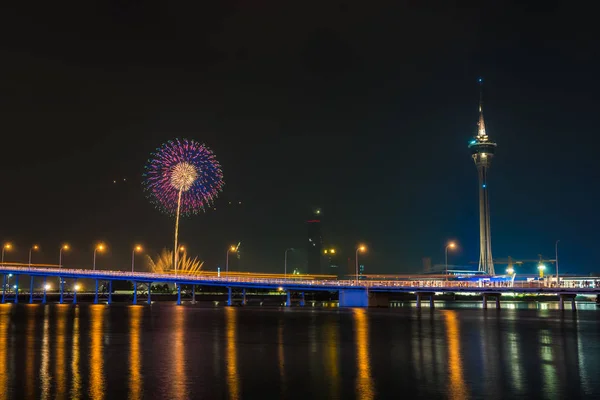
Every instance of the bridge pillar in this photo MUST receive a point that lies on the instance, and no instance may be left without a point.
(244, 297)
(431, 303)
(567, 296)
(149, 290)
(109, 292)
(496, 297)
(229, 296)
(16, 289)
(418, 300)
(134, 292)
(44, 297)
(31, 290)
(178, 295)
(288, 299)
(62, 289)
(302, 302)
(3, 288)
(353, 297)
(193, 294)
(74, 291)
(96, 293)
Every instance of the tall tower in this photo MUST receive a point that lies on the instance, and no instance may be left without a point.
(482, 151)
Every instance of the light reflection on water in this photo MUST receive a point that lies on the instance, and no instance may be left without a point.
(245, 353)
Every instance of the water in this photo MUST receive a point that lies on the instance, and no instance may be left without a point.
(188, 352)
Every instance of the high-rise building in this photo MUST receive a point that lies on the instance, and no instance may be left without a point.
(482, 151)
(314, 245)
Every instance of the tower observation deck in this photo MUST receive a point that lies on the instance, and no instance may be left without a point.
(482, 152)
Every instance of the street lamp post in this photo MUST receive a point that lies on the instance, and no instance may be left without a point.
(229, 249)
(361, 249)
(7, 246)
(285, 262)
(450, 245)
(137, 248)
(63, 247)
(556, 260)
(34, 247)
(98, 247)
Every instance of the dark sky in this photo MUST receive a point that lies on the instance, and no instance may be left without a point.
(362, 108)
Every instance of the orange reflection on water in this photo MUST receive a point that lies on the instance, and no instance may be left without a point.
(456, 385)
(179, 378)
(364, 382)
(30, 351)
(4, 323)
(45, 364)
(233, 381)
(59, 369)
(96, 388)
(332, 359)
(135, 355)
(76, 382)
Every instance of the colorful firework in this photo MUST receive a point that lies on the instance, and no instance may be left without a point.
(183, 174)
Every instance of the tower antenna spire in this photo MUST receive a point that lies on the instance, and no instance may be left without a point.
(480, 81)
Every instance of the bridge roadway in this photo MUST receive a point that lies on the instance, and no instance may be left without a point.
(351, 292)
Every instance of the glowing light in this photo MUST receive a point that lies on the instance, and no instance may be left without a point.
(77, 287)
(510, 270)
(362, 248)
(100, 247)
(138, 248)
(484, 186)
(163, 263)
(47, 286)
(280, 289)
(8, 246)
(451, 245)
(35, 247)
(186, 166)
(65, 247)
(483, 155)
(541, 267)
(182, 248)
(233, 249)
(473, 142)
(332, 251)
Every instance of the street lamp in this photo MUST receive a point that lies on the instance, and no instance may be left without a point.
(556, 260)
(450, 245)
(361, 249)
(63, 247)
(137, 248)
(510, 270)
(285, 262)
(34, 247)
(7, 246)
(77, 287)
(100, 247)
(231, 249)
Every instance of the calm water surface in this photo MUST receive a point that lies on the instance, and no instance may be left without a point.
(187, 352)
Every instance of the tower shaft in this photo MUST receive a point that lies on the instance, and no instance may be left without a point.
(486, 263)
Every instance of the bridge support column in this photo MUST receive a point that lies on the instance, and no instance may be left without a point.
(431, 303)
(16, 289)
(109, 292)
(229, 296)
(62, 289)
(353, 297)
(31, 290)
(44, 297)
(418, 300)
(288, 299)
(96, 293)
(149, 290)
(74, 292)
(567, 296)
(193, 294)
(496, 297)
(243, 297)
(484, 302)
(134, 292)
(302, 302)
(3, 288)
(178, 295)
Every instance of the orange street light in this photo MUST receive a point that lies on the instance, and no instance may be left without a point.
(362, 248)
(231, 249)
(7, 246)
(101, 247)
(450, 245)
(34, 247)
(136, 248)
(63, 247)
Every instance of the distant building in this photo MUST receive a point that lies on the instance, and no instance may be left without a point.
(426, 264)
(331, 265)
(314, 245)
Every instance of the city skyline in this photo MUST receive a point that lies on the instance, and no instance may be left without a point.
(376, 138)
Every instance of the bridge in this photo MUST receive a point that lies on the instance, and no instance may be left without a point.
(352, 293)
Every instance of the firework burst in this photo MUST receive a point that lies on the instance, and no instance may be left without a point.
(182, 177)
(183, 168)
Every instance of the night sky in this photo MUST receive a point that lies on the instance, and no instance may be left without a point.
(363, 110)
